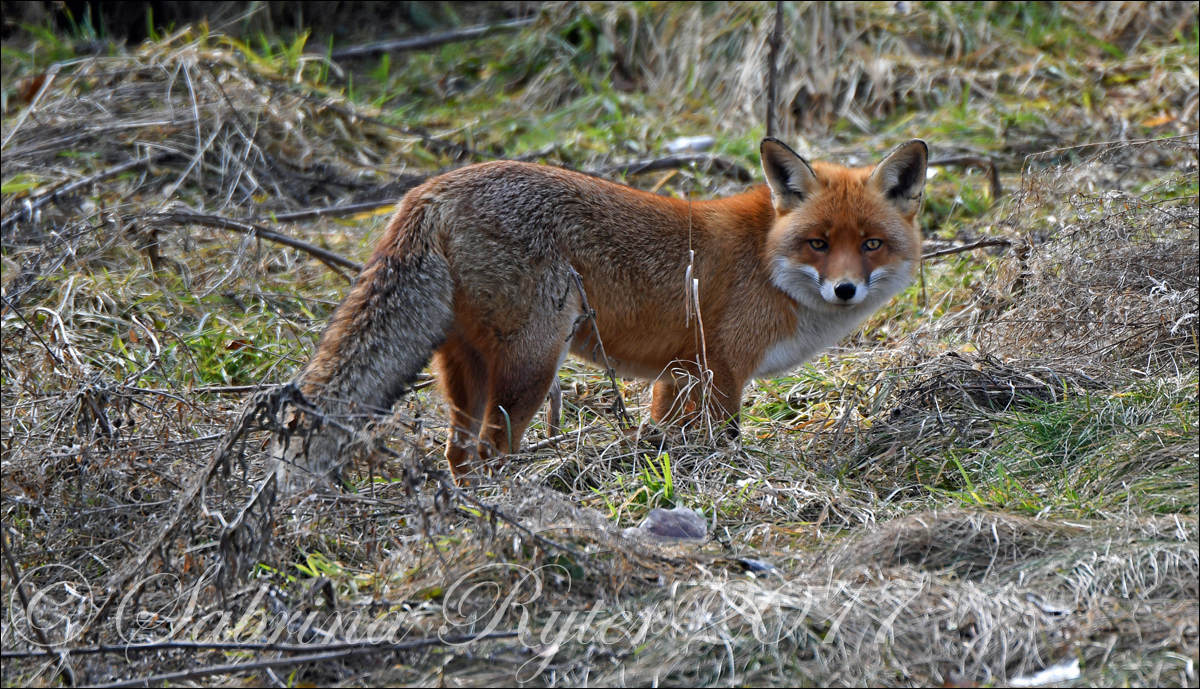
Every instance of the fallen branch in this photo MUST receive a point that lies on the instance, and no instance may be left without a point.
(336, 211)
(551, 442)
(16, 580)
(323, 255)
(228, 389)
(259, 647)
(967, 247)
(974, 161)
(35, 204)
(429, 40)
(719, 164)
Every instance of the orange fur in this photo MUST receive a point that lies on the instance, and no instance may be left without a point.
(476, 266)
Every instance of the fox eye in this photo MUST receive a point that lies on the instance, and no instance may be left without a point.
(872, 244)
(818, 244)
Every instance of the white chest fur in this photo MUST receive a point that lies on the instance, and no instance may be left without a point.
(814, 332)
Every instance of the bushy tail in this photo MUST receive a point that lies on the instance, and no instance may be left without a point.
(383, 333)
(379, 338)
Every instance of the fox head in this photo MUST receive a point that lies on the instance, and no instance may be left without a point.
(844, 237)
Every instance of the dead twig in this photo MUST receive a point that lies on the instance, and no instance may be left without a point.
(258, 648)
(45, 346)
(323, 255)
(47, 81)
(619, 402)
(35, 204)
(16, 577)
(560, 438)
(429, 40)
(228, 389)
(967, 247)
(337, 211)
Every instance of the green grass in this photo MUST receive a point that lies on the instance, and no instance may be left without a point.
(1084, 455)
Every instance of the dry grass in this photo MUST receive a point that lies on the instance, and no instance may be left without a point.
(1109, 273)
(858, 69)
(995, 474)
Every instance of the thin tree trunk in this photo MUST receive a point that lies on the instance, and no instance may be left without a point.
(776, 39)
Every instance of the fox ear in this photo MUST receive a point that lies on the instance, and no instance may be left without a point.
(901, 176)
(790, 177)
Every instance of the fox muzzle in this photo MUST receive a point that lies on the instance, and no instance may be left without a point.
(843, 292)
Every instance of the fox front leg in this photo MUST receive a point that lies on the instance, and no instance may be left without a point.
(554, 411)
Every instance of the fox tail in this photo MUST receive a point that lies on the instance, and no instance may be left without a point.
(376, 342)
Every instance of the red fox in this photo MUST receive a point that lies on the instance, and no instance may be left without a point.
(479, 270)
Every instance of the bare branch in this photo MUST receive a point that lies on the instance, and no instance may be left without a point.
(383, 646)
(16, 578)
(62, 192)
(337, 211)
(561, 437)
(589, 313)
(430, 40)
(323, 255)
(967, 247)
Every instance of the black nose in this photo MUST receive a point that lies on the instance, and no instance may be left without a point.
(845, 291)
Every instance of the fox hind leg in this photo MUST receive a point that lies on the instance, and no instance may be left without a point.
(669, 400)
(554, 410)
(517, 387)
(520, 328)
(725, 400)
(678, 398)
(463, 377)
(519, 378)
